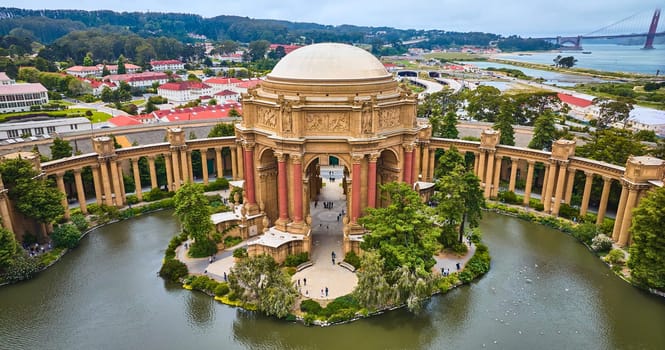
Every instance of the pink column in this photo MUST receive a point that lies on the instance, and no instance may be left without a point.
(249, 173)
(408, 164)
(355, 188)
(371, 182)
(297, 188)
(281, 190)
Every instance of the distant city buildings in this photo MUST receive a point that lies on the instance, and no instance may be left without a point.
(97, 71)
(184, 91)
(164, 65)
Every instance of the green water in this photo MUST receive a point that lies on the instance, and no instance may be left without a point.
(544, 291)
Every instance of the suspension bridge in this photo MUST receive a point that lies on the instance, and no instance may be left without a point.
(630, 27)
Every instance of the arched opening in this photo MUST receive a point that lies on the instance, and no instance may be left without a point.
(267, 184)
(388, 170)
(327, 180)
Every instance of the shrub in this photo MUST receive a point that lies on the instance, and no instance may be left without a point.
(343, 302)
(601, 243)
(311, 307)
(616, 257)
(201, 283)
(585, 232)
(202, 248)
(240, 253)
(222, 289)
(173, 244)
(66, 236)
(459, 248)
(173, 270)
(219, 184)
(342, 315)
(536, 204)
(132, 199)
(290, 270)
(79, 221)
(296, 259)
(156, 194)
(508, 197)
(568, 212)
(127, 213)
(309, 319)
(353, 259)
(230, 241)
(21, 268)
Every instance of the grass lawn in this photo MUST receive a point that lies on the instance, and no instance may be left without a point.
(67, 113)
(456, 56)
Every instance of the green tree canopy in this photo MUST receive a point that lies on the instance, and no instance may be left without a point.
(402, 232)
(612, 111)
(222, 129)
(483, 103)
(612, 146)
(260, 280)
(504, 123)
(647, 252)
(60, 149)
(191, 207)
(121, 65)
(544, 132)
(8, 248)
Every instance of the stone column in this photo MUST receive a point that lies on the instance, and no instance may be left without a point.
(80, 191)
(204, 165)
(282, 192)
(116, 183)
(430, 166)
(425, 163)
(4, 211)
(169, 172)
(408, 163)
(153, 172)
(61, 187)
(234, 163)
(249, 175)
(355, 187)
(175, 162)
(529, 181)
(137, 180)
(513, 174)
(489, 174)
(99, 190)
(219, 162)
(588, 182)
(415, 173)
(559, 188)
(624, 234)
(607, 181)
(184, 166)
(190, 167)
(297, 188)
(621, 210)
(371, 180)
(106, 181)
(241, 163)
(481, 167)
(570, 181)
(476, 163)
(497, 177)
(547, 198)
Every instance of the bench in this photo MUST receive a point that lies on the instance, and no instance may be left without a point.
(304, 265)
(347, 266)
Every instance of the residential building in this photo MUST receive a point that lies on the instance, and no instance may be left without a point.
(20, 97)
(17, 131)
(184, 91)
(5, 80)
(97, 71)
(647, 119)
(164, 65)
(141, 80)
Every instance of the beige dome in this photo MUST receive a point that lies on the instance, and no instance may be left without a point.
(329, 62)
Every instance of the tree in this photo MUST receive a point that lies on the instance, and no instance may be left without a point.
(483, 103)
(448, 161)
(412, 288)
(258, 279)
(8, 248)
(504, 123)
(222, 129)
(121, 65)
(448, 127)
(403, 232)
(105, 71)
(611, 111)
(87, 60)
(611, 146)
(60, 149)
(66, 236)
(191, 207)
(258, 49)
(277, 53)
(227, 46)
(373, 291)
(544, 132)
(647, 252)
(567, 62)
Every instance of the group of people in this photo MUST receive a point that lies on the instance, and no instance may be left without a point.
(328, 205)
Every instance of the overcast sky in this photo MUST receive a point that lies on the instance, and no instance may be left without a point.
(522, 17)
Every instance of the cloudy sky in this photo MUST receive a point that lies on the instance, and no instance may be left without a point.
(522, 17)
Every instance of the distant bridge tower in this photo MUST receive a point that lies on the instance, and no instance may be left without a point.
(575, 41)
(652, 30)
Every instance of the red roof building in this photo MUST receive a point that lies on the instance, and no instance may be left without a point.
(184, 91)
(164, 65)
(144, 79)
(574, 101)
(287, 48)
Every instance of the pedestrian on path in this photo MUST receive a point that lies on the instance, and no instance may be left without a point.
(304, 281)
(326, 292)
(225, 276)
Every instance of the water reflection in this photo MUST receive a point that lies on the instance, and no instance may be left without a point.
(200, 309)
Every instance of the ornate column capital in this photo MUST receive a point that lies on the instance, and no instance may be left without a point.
(607, 178)
(531, 162)
(281, 157)
(296, 158)
(373, 157)
(356, 158)
(588, 174)
(60, 174)
(248, 145)
(409, 147)
(77, 171)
